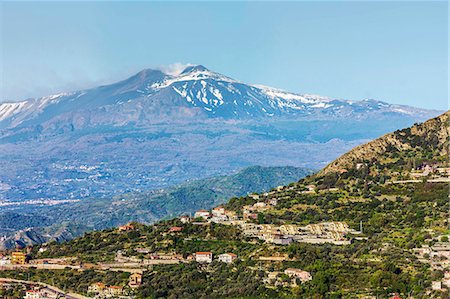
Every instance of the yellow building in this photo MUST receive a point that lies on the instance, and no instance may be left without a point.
(18, 258)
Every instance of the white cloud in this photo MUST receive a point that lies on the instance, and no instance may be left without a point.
(174, 68)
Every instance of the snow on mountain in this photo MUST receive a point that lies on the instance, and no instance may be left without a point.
(153, 94)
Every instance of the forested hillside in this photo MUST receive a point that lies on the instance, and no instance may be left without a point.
(373, 224)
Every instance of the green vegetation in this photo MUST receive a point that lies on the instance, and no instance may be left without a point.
(396, 217)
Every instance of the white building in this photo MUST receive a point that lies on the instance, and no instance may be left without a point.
(4, 260)
(185, 219)
(436, 285)
(202, 214)
(227, 257)
(218, 211)
(254, 196)
(32, 294)
(273, 201)
(446, 280)
(203, 257)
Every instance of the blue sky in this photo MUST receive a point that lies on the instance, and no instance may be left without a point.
(391, 51)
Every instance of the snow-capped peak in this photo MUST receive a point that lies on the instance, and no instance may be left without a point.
(191, 73)
(276, 93)
(193, 86)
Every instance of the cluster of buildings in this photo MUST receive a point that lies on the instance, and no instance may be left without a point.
(426, 170)
(438, 256)
(15, 258)
(325, 232)
(218, 214)
(42, 293)
(101, 290)
(295, 275)
(439, 285)
(207, 257)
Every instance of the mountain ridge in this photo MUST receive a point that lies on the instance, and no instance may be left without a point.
(428, 131)
(150, 94)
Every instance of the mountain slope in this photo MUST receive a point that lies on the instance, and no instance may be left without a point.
(154, 130)
(27, 225)
(425, 140)
(357, 234)
(151, 96)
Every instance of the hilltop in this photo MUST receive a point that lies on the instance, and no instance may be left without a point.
(428, 140)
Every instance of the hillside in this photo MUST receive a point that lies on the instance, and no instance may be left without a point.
(27, 225)
(428, 140)
(376, 229)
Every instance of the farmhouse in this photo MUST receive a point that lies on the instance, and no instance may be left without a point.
(203, 257)
(227, 257)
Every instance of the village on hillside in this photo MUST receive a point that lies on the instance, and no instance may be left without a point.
(247, 219)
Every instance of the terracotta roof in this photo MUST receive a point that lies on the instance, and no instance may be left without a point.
(176, 229)
(203, 253)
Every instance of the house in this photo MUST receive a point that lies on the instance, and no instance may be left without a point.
(175, 229)
(142, 250)
(114, 290)
(4, 260)
(446, 279)
(202, 214)
(203, 257)
(259, 205)
(185, 219)
(219, 218)
(311, 188)
(227, 257)
(273, 201)
(97, 287)
(32, 294)
(18, 258)
(298, 273)
(436, 285)
(254, 196)
(126, 227)
(246, 215)
(231, 215)
(218, 211)
(135, 280)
